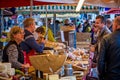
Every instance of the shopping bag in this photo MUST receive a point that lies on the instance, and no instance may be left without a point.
(92, 75)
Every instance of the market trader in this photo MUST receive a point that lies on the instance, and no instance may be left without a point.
(29, 44)
(29, 40)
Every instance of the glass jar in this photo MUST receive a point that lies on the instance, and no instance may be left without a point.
(68, 70)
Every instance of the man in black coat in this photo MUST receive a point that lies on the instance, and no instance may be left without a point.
(109, 54)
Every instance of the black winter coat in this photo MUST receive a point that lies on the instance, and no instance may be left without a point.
(109, 57)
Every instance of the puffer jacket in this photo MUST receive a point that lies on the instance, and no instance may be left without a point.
(109, 57)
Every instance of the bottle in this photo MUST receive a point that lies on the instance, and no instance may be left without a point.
(68, 70)
(62, 72)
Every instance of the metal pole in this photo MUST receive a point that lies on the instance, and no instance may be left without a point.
(54, 19)
(31, 8)
(2, 20)
(46, 36)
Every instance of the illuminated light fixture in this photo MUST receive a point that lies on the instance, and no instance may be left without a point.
(79, 6)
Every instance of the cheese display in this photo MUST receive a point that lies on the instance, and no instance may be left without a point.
(3, 68)
(48, 63)
(6, 71)
(55, 45)
(67, 28)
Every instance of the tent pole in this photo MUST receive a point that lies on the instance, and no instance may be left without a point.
(31, 8)
(46, 36)
(54, 19)
(2, 20)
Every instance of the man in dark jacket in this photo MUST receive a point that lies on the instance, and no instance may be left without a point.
(30, 42)
(109, 54)
(30, 45)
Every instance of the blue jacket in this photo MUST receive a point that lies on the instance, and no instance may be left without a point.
(30, 43)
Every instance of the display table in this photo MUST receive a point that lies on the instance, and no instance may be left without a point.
(80, 71)
(77, 74)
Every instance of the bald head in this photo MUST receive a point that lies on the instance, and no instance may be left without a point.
(116, 24)
(109, 23)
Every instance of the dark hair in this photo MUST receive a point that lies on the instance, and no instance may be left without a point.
(40, 30)
(49, 19)
(79, 25)
(57, 21)
(101, 17)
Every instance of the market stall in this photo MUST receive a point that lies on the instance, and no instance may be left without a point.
(69, 57)
(62, 64)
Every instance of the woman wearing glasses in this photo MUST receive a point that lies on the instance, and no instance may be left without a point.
(12, 52)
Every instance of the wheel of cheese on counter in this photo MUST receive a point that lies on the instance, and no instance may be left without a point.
(3, 68)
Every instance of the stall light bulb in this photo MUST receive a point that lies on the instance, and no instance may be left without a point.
(79, 6)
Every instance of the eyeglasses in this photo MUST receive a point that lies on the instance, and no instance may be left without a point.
(21, 32)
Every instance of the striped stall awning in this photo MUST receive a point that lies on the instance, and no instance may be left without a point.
(59, 8)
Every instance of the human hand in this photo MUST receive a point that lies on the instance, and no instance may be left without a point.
(94, 65)
(26, 65)
(43, 40)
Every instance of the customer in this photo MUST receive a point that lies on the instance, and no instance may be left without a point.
(103, 30)
(94, 34)
(40, 32)
(12, 52)
(109, 24)
(49, 34)
(86, 26)
(109, 55)
(79, 28)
